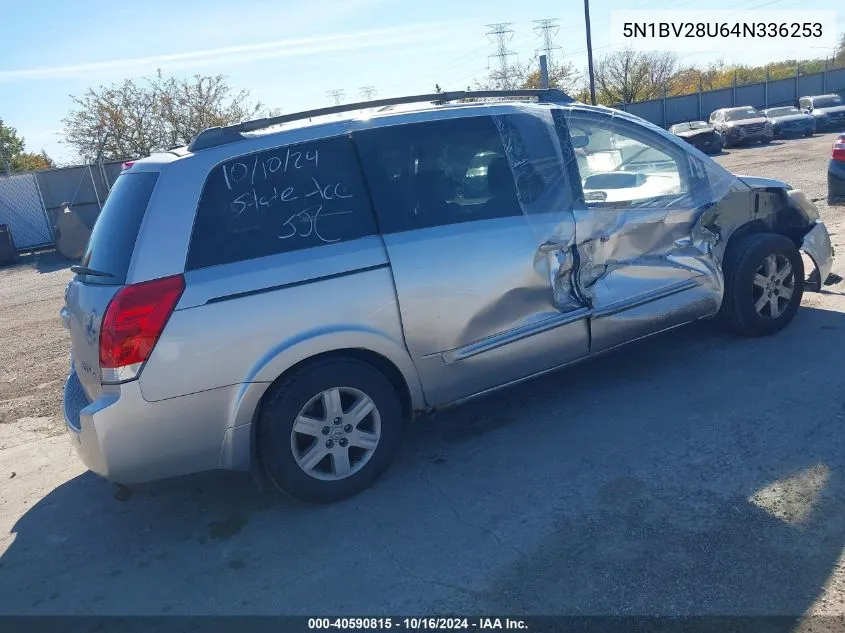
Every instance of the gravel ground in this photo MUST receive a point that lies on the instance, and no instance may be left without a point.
(692, 474)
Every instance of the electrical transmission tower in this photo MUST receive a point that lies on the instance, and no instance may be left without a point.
(368, 92)
(547, 29)
(335, 95)
(501, 33)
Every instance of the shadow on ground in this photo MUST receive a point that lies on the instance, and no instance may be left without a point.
(752, 145)
(46, 261)
(693, 474)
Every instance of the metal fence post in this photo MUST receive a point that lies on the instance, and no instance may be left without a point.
(733, 97)
(664, 108)
(94, 185)
(797, 74)
(766, 88)
(104, 177)
(824, 76)
(700, 112)
(44, 208)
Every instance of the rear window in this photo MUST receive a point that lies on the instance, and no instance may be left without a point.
(281, 200)
(116, 229)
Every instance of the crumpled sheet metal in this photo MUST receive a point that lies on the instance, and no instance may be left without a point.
(620, 251)
(545, 196)
(817, 245)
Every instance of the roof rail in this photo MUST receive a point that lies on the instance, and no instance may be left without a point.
(214, 136)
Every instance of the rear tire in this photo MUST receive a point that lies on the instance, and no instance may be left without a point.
(765, 141)
(329, 430)
(764, 283)
(809, 133)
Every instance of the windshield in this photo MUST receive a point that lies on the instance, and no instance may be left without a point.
(739, 115)
(775, 112)
(827, 102)
(689, 125)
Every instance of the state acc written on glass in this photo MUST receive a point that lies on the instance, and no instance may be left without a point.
(280, 200)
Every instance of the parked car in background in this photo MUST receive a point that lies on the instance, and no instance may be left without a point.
(287, 297)
(700, 134)
(742, 125)
(790, 121)
(836, 172)
(828, 110)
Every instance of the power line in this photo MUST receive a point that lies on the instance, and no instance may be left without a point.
(336, 95)
(547, 29)
(368, 92)
(501, 33)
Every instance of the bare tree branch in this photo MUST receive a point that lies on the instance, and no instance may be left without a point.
(132, 119)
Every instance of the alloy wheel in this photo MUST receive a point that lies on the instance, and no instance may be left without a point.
(336, 433)
(773, 286)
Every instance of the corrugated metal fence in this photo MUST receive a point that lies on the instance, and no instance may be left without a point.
(30, 203)
(698, 106)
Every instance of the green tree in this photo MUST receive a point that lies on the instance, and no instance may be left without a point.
(29, 161)
(10, 145)
(132, 119)
(13, 154)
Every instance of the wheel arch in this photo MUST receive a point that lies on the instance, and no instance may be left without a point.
(774, 211)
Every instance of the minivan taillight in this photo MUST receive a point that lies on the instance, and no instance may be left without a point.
(132, 324)
(839, 149)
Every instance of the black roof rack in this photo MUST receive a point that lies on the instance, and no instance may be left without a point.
(213, 136)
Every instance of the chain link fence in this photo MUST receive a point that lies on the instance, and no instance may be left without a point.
(22, 210)
(31, 202)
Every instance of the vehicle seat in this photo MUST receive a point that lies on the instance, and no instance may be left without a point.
(503, 199)
(434, 191)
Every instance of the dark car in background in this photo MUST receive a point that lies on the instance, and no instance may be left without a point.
(744, 124)
(836, 173)
(790, 121)
(828, 110)
(699, 134)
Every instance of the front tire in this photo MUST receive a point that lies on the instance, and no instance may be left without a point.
(764, 283)
(329, 430)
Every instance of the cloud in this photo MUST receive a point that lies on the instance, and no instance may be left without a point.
(227, 55)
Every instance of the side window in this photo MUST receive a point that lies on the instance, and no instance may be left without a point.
(623, 166)
(280, 200)
(438, 173)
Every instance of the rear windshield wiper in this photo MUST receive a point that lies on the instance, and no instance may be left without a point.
(82, 270)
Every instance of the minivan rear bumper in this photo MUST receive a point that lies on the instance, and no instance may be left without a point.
(129, 440)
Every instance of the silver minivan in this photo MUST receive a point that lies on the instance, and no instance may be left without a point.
(285, 294)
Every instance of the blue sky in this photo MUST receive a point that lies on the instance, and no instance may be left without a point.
(288, 53)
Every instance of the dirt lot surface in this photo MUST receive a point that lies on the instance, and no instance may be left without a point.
(692, 474)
